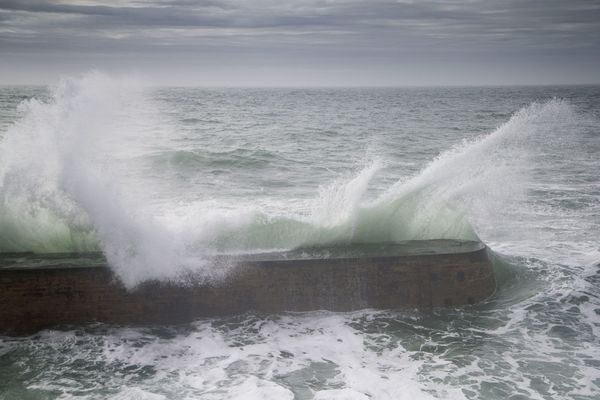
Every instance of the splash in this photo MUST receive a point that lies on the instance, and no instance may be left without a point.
(473, 189)
(63, 178)
(71, 180)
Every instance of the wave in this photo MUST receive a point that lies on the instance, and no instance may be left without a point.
(68, 184)
(235, 158)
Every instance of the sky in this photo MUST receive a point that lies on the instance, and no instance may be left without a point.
(304, 42)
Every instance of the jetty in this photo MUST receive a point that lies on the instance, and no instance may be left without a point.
(39, 291)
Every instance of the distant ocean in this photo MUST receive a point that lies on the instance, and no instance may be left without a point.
(158, 179)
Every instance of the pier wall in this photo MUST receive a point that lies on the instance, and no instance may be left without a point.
(33, 299)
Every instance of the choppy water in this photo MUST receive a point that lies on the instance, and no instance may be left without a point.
(160, 178)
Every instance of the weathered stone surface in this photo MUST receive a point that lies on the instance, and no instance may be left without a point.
(414, 276)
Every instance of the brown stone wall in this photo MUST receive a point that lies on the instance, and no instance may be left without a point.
(33, 299)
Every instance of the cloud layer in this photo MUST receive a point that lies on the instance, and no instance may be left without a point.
(306, 42)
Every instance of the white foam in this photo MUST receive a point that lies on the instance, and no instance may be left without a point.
(134, 393)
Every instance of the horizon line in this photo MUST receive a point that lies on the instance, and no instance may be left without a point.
(407, 86)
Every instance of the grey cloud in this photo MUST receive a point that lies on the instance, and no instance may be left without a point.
(303, 29)
(303, 13)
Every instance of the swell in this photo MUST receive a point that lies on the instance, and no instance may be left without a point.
(236, 158)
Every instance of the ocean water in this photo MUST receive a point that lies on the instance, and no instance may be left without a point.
(160, 179)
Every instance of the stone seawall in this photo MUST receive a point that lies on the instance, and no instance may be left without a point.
(33, 298)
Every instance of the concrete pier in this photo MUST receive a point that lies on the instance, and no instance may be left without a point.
(43, 291)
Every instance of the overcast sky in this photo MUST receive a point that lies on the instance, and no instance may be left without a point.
(304, 43)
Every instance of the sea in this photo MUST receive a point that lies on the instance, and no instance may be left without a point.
(160, 179)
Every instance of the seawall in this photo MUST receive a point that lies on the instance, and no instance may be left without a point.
(422, 274)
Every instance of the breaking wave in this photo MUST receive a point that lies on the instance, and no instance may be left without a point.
(75, 177)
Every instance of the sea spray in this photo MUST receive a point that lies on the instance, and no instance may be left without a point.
(75, 177)
(478, 184)
(66, 170)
